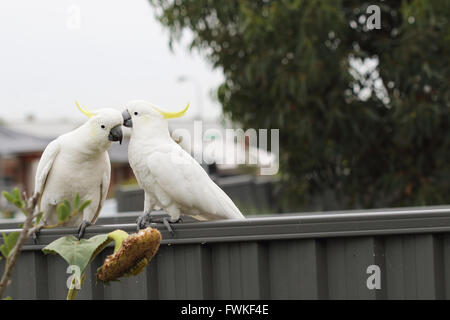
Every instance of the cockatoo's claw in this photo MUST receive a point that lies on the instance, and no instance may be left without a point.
(82, 228)
(167, 224)
(143, 221)
(138, 224)
(180, 220)
(35, 235)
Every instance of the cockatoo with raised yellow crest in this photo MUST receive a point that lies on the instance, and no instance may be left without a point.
(170, 177)
(78, 163)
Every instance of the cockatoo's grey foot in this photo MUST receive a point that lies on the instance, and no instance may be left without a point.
(169, 224)
(143, 221)
(82, 228)
(37, 230)
(35, 234)
(146, 219)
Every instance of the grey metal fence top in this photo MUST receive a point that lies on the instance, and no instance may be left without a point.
(294, 256)
(288, 226)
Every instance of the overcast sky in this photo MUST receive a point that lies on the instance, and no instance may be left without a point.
(102, 53)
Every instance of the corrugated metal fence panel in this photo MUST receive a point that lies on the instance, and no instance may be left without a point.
(304, 256)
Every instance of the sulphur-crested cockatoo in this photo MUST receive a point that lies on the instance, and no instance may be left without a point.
(170, 177)
(78, 163)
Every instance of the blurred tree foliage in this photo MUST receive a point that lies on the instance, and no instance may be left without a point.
(351, 136)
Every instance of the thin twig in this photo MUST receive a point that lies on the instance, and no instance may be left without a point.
(11, 261)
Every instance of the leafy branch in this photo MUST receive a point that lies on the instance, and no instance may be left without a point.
(14, 241)
(66, 211)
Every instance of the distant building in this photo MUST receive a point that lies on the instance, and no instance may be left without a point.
(19, 157)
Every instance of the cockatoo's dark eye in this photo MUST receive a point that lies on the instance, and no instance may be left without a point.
(135, 113)
(103, 126)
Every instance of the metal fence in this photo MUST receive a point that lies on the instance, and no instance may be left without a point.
(299, 256)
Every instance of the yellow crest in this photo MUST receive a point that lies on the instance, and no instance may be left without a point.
(171, 115)
(85, 111)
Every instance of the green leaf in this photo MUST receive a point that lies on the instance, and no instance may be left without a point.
(63, 212)
(68, 205)
(9, 242)
(8, 196)
(11, 239)
(76, 202)
(78, 253)
(17, 198)
(4, 251)
(84, 206)
(39, 217)
(16, 194)
(19, 204)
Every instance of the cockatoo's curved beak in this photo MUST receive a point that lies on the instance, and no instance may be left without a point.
(116, 134)
(127, 122)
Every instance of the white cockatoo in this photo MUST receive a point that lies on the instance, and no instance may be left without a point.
(170, 177)
(78, 163)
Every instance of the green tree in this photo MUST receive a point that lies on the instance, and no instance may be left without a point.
(349, 137)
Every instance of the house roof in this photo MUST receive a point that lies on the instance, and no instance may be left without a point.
(13, 142)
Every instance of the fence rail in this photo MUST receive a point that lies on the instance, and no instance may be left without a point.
(295, 256)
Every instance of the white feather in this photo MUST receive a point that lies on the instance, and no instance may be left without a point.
(77, 162)
(169, 175)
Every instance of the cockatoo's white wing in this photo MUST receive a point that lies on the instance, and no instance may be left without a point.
(186, 183)
(45, 165)
(104, 187)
